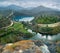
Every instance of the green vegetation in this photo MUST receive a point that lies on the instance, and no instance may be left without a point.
(14, 33)
(45, 29)
(19, 27)
(4, 21)
(58, 49)
(47, 19)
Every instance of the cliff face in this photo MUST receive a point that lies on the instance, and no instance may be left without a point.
(25, 46)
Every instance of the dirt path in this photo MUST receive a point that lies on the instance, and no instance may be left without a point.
(50, 25)
(11, 21)
(8, 25)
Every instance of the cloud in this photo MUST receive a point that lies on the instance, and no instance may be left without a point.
(32, 3)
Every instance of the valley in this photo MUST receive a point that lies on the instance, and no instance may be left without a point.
(29, 30)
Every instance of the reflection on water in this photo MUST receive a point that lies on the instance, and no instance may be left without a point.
(56, 37)
(39, 36)
(44, 49)
(49, 37)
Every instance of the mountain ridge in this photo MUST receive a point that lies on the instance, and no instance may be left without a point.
(32, 11)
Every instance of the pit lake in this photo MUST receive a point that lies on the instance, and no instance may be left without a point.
(23, 18)
(37, 36)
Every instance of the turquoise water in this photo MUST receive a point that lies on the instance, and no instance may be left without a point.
(23, 18)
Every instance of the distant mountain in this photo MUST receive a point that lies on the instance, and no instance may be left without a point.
(5, 10)
(12, 7)
(40, 10)
(32, 11)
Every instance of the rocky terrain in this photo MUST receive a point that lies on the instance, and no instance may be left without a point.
(25, 46)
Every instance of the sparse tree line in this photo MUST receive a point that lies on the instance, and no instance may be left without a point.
(4, 22)
(46, 19)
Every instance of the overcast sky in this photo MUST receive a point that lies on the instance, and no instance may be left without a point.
(32, 3)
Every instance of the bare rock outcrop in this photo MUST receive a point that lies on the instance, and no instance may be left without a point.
(25, 46)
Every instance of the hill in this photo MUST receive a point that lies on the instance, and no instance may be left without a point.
(35, 11)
